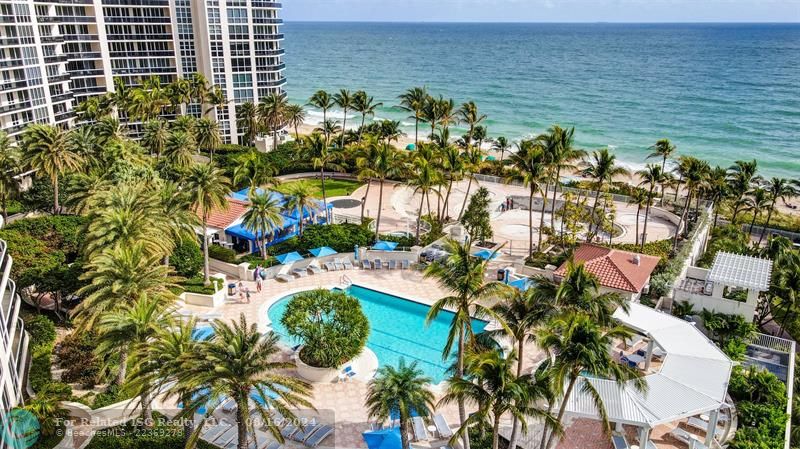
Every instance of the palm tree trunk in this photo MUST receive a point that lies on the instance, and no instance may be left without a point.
(766, 224)
(404, 432)
(123, 366)
(296, 132)
(380, 205)
(344, 128)
(446, 208)
(147, 412)
(206, 279)
(553, 206)
(646, 216)
(663, 186)
(416, 132)
(361, 129)
(589, 231)
(678, 187)
(366, 195)
(530, 223)
(428, 201)
(56, 207)
(562, 408)
(241, 422)
(541, 222)
(324, 196)
(496, 432)
(681, 220)
(188, 424)
(462, 413)
(752, 222)
(512, 441)
(419, 216)
(302, 212)
(466, 196)
(638, 211)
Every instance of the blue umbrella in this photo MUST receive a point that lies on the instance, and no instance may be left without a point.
(383, 439)
(522, 283)
(485, 254)
(384, 246)
(293, 256)
(323, 251)
(411, 147)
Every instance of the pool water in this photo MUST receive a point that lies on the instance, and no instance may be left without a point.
(397, 330)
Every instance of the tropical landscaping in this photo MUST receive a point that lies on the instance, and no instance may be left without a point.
(117, 205)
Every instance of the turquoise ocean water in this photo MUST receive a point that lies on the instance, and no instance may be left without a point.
(720, 92)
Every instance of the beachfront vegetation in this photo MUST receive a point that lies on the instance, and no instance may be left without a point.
(333, 187)
(329, 324)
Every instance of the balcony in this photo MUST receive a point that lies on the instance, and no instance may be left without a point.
(272, 83)
(260, 4)
(79, 37)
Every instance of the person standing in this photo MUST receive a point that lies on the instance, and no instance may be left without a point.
(259, 283)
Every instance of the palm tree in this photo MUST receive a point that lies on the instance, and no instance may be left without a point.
(502, 145)
(385, 165)
(322, 100)
(602, 171)
(652, 175)
(300, 198)
(247, 121)
(490, 385)
(295, 116)
(390, 130)
(271, 113)
(399, 391)
(463, 274)
(453, 167)
(253, 170)
(432, 114)
(263, 218)
(155, 137)
(757, 202)
(479, 134)
(718, 187)
(129, 329)
(343, 99)
(366, 152)
(329, 128)
(180, 149)
(239, 361)
(469, 115)
(663, 149)
(414, 101)
(10, 167)
(472, 160)
(694, 172)
(741, 177)
(315, 148)
(529, 166)
(561, 156)
(47, 150)
(579, 292)
(209, 189)
(779, 189)
(578, 346)
(364, 105)
(639, 198)
(207, 134)
(424, 177)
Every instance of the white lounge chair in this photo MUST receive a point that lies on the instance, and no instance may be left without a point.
(318, 436)
(366, 265)
(405, 265)
(300, 272)
(215, 431)
(283, 273)
(699, 424)
(619, 441)
(392, 264)
(684, 436)
(338, 264)
(226, 437)
(418, 425)
(347, 264)
(378, 264)
(314, 267)
(442, 427)
(329, 266)
(274, 445)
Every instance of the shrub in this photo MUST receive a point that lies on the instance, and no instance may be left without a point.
(330, 324)
(187, 258)
(255, 259)
(222, 253)
(476, 219)
(403, 241)
(756, 385)
(197, 284)
(76, 355)
(766, 417)
(42, 336)
(341, 237)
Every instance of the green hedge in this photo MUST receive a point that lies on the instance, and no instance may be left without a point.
(196, 284)
(76, 356)
(187, 258)
(662, 282)
(222, 253)
(42, 333)
(761, 406)
(341, 237)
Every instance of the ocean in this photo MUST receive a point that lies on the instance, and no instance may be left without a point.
(721, 92)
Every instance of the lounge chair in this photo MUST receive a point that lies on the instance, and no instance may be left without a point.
(683, 436)
(262, 441)
(418, 425)
(289, 430)
(300, 272)
(347, 264)
(405, 265)
(318, 436)
(699, 424)
(442, 427)
(305, 431)
(228, 406)
(283, 273)
(274, 445)
(619, 441)
(366, 265)
(338, 264)
(392, 264)
(228, 436)
(378, 264)
(215, 431)
(314, 267)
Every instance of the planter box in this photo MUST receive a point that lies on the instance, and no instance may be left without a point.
(315, 375)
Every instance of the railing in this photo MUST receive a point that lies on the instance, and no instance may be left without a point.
(786, 346)
(772, 342)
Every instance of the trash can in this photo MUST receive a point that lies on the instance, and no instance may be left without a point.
(232, 289)
(501, 274)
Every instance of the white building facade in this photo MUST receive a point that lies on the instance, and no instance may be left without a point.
(55, 54)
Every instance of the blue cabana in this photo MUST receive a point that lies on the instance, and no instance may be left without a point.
(486, 254)
(383, 439)
(293, 256)
(323, 251)
(383, 245)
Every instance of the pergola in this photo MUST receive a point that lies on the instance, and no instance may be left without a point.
(741, 271)
(692, 380)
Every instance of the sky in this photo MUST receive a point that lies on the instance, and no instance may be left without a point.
(543, 10)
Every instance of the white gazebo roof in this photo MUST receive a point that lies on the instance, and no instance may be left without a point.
(693, 377)
(741, 271)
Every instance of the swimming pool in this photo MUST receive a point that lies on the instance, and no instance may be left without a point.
(397, 329)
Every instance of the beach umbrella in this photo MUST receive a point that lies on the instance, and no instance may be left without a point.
(323, 251)
(485, 254)
(383, 245)
(383, 439)
(521, 284)
(293, 256)
(411, 147)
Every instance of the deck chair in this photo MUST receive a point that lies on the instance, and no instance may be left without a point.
(215, 431)
(300, 272)
(274, 445)
(314, 267)
(366, 265)
(347, 264)
(619, 441)
(405, 265)
(442, 427)
(418, 425)
(283, 273)
(392, 264)
(378, 264)
(227, 437)
(318, 436)
(329, 266)
(338, 264)
(289, 430)
(305, 431)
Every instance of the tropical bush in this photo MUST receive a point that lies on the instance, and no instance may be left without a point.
(330, 324)
(402, 241)
(196, 284)
(341, 237)
(657, 248)
(76, 356)
(42, 337)
(187, 258)
(727, 238)
(255, 260)
(221, 253)
(761, 404)
(476, 219)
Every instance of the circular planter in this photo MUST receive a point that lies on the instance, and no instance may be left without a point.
(314, 374)
(365, 364)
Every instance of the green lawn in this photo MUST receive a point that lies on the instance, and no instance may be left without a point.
(333, 187)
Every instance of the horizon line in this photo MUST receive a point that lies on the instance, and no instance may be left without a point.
(513, 22)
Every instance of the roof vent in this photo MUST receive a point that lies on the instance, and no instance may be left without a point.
(637, 260)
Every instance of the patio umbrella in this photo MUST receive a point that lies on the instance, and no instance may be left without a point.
(411, 147)
(382, 245)
(521, 284)
(293, 256)
(323, 251)
(485, 254)
(383, 439)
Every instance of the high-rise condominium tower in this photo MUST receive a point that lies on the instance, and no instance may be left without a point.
(56, 53)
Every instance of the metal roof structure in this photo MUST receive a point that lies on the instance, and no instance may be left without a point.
(693, 377)
(741, 271)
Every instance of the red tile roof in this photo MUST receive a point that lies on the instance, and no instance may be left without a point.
(614, 268)
(221, 219)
